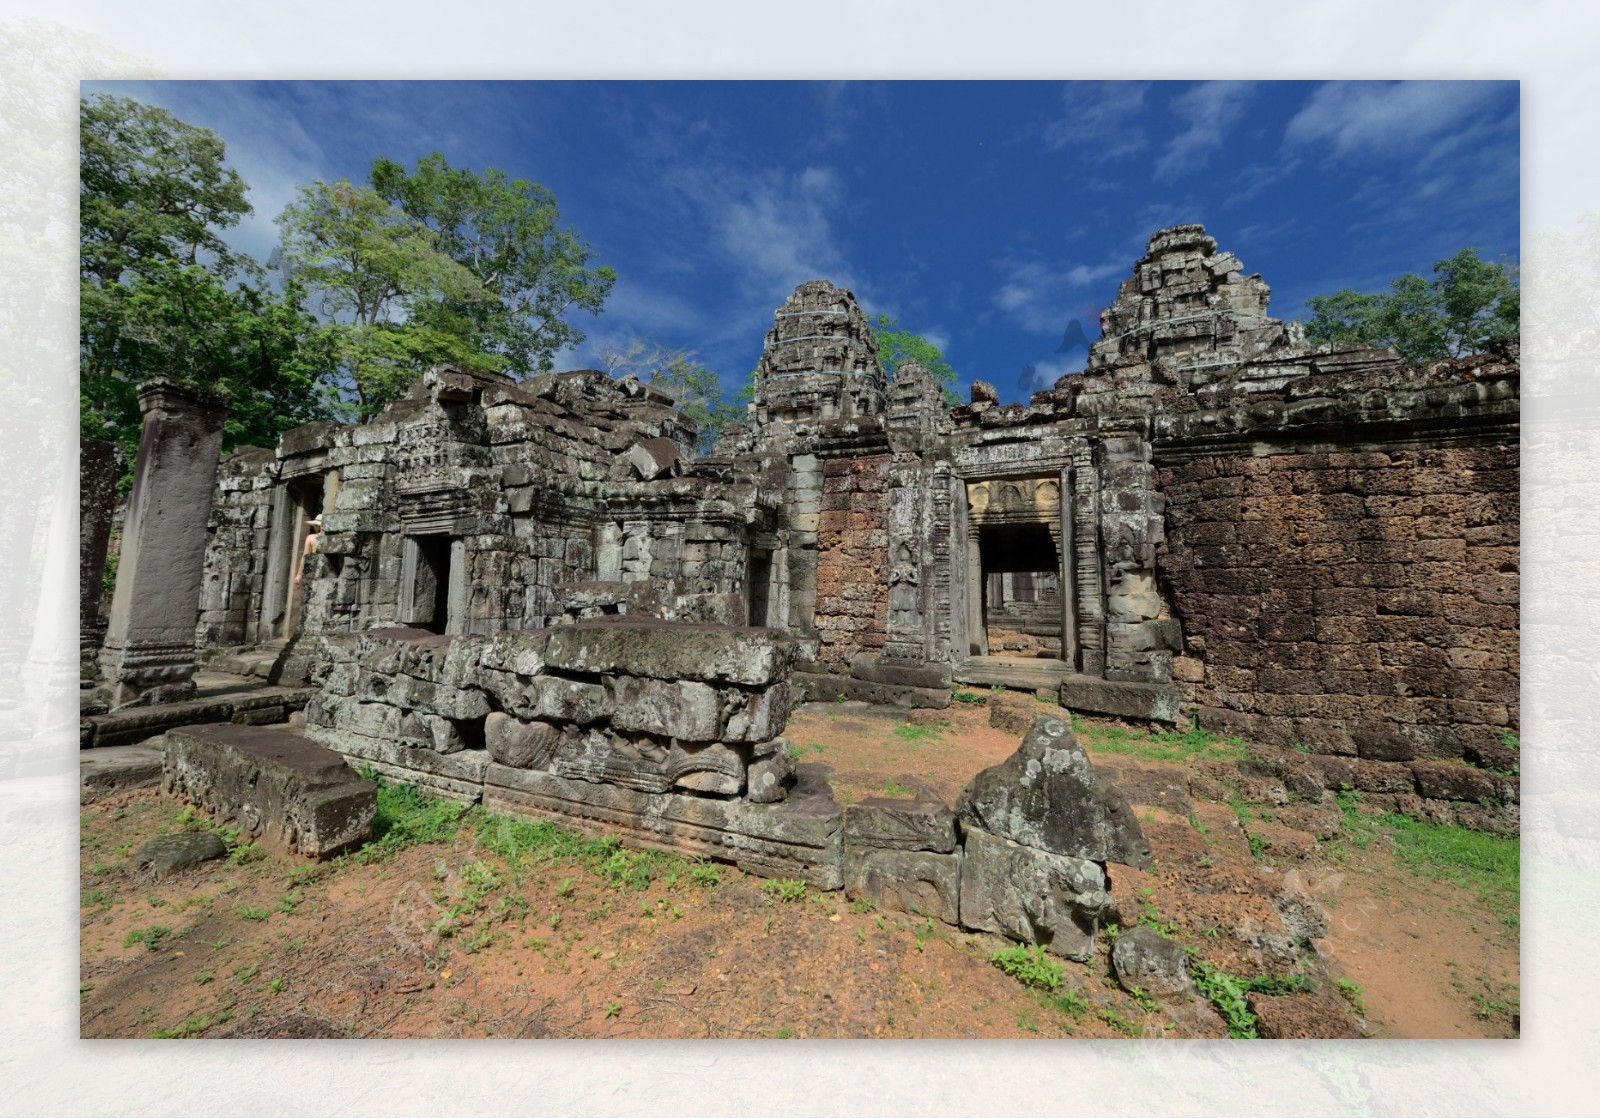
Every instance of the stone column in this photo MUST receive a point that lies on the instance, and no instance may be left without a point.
(97, 500)
(149, 652)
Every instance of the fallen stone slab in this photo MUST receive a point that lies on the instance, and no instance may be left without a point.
(922, 883)
(168, 853)
(662, 650)
(798, 837)
(1031, 895)
(1144, 960)
(1048, 795)
(277, 786)
(110, 769)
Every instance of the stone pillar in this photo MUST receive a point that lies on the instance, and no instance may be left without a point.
(97, 500)
(149, 653)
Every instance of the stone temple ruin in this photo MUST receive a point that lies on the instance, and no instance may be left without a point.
(534, 595)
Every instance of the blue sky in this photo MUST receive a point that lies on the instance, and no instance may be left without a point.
(986, 215)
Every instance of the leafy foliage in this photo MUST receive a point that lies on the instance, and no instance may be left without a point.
(161, 294)
(1028, 965)
(897, 346)
(1468, 303)
(530, 270)
(1226, 993)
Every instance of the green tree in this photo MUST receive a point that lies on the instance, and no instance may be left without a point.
(162, 295)
(370, 267)
(896, 346)
(696, 390)
(1468, 303)
(508, 234)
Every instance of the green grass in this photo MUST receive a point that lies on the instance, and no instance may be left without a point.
(1028, 965)
(1161, 746)
(152, 937)
(406, 818)
(1489, 865)
(911, 732)
(785, 889)
(893, 788)
(969, 697)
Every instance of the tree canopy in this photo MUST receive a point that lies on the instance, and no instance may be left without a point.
(1468, 303)
(897, 346)
(161, 293)
(531, 271)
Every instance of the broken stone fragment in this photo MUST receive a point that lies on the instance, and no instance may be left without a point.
(771, 773)
(984, 393)
(1048, 795)
(1031, 895)
(651, 458)
(167, 853)
(518, 743)
(1145, 960)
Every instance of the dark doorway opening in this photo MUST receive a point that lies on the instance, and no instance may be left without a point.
(429, 582)
(759, 586)
(1021, 589)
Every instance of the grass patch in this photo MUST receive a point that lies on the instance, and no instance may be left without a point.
(1490, 865)
(151, 937)
(406, 818)
(1160, 746)
(974, 698)
(912, 732)
(1028, 965)
(893, 788)
(785, 889)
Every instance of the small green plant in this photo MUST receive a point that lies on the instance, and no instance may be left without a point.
(245, 972)
(784, 1032)
(151, 937)
(1116, 1020)
(195, 1026)
(1068, 1002)
(202, 977)
(246, 853)
(613, 1009)
(278, 985)
(785, 889)
(1226, 993)
(861, 905)
(1352, 993)
(1028, 965)
(968, 697)
(565, 889)
(247, 913)
(705, 874)
(912, 732)
(921, 934)
(893, 788)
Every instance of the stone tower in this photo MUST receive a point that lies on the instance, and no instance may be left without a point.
(1188, 309)
(820, 361)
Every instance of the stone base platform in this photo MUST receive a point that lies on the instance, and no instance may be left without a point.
(795, 838)
(1157, 703)
(827, 687)
(458, 776)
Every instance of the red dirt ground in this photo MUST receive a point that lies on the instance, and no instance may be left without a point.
(278, 947)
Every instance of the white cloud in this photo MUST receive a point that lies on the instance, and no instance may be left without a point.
(1043, 300)
(1210, 108)
(1386, 116)
(1097, 119)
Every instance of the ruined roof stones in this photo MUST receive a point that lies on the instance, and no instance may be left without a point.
(820, 360)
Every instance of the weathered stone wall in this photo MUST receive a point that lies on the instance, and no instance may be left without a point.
(852, 611)
(236, 549)
(1357, 603)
